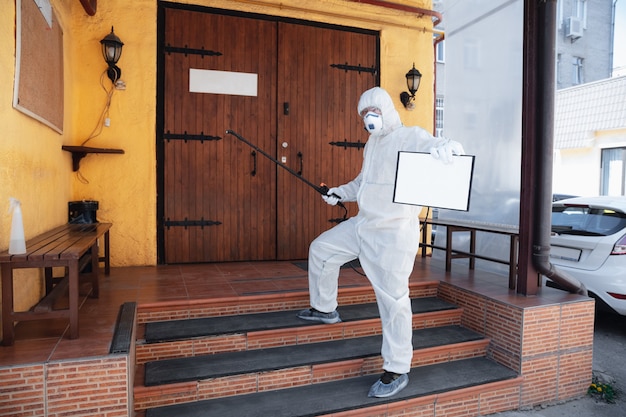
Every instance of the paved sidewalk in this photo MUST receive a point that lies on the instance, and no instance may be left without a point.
(609, 359)
(584, 407)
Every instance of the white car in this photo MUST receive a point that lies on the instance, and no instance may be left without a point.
(588, 242)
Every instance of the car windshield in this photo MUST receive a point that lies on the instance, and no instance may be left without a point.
(586, 221)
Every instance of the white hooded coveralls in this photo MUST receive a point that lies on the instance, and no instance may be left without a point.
(384, 236)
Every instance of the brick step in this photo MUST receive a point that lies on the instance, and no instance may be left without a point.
(474, 386)
(210, 376)
(182, 338)
(230, 306)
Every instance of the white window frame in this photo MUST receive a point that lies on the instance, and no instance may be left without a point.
(440, 52)
(580, 11)
(439, 116)
(578, 75)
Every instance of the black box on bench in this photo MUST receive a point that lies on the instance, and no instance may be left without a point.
(82, 212)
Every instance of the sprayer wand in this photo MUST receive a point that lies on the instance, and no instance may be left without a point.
(322, 188)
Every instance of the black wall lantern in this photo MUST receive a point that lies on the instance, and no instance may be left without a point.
(112, 50)
(413, 78)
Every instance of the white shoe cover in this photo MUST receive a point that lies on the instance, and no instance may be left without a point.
(380, 390)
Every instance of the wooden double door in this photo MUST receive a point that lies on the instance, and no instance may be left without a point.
(218, 198)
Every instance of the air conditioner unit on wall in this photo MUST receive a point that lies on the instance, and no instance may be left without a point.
(573, 27)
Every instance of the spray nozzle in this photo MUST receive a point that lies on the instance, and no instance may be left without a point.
(13, 204)
(17, 244)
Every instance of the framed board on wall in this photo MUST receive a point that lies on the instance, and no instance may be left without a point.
(38, 90)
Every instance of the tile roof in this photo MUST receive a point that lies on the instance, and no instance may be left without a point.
(582, 110)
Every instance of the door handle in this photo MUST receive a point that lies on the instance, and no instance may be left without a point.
(253, 172)
(301, 163)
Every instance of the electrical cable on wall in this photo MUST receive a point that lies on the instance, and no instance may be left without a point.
(105, 112)
(97, 130)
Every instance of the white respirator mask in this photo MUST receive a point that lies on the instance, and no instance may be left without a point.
(373, 122)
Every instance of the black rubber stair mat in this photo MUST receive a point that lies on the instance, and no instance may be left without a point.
(347, 394)
(163, 331)
(194, 368)
(352, 264)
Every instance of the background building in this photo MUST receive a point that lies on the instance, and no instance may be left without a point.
(590, 115)
(584, 44)
(590, 139)
(584, 41)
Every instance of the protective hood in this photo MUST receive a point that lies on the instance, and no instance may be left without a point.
(379, 98)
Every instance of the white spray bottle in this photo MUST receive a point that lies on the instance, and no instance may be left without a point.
(17, 244)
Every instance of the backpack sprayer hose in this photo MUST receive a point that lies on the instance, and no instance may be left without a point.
(322, 188)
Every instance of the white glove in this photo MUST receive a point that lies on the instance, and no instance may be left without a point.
(333, 196)
(445, 151)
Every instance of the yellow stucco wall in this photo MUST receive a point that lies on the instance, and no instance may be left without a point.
(124, 185)
(35, 170)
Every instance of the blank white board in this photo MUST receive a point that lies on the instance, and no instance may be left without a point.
(422, 180)
(222, 82)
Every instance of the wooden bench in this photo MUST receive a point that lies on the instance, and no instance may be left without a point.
(454, 226)
(71, 246)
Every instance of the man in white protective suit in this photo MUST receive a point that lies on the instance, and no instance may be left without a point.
(384, 236)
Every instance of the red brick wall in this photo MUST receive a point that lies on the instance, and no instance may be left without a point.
(22, 391)
(549, 344)
(81, 388)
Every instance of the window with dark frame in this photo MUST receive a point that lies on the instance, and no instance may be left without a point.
(577, 70)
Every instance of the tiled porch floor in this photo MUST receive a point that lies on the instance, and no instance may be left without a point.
(47, 340)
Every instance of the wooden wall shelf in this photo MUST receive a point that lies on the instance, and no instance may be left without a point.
(79, 152)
